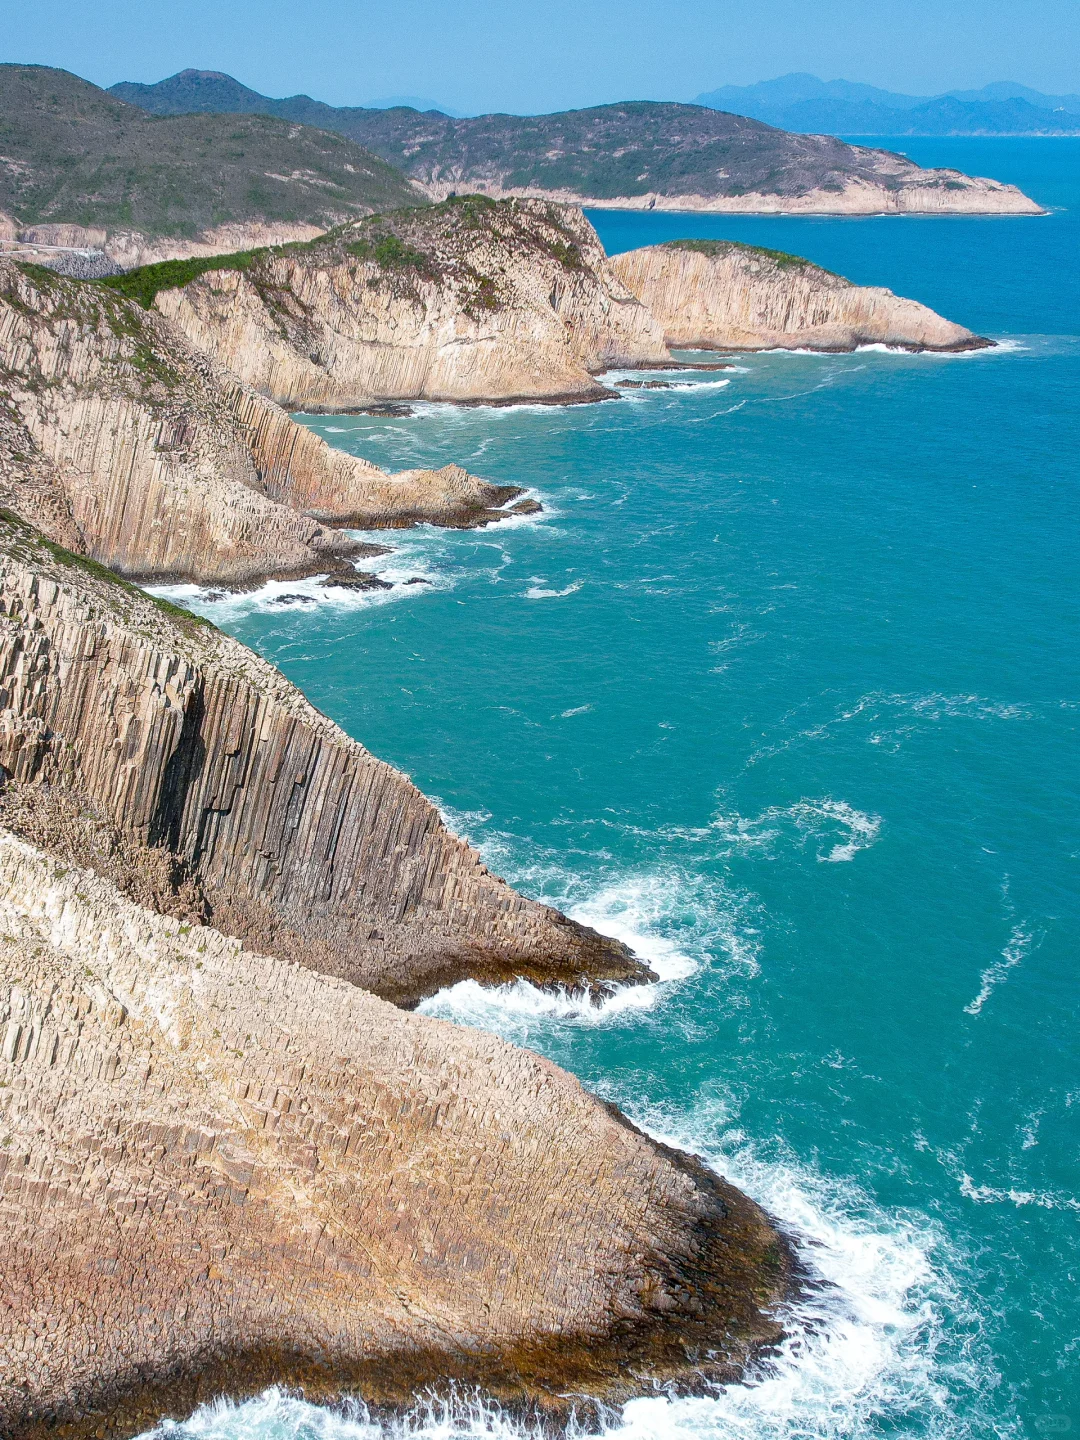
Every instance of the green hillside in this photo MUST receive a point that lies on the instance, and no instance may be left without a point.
(72, 153)
(629, 149)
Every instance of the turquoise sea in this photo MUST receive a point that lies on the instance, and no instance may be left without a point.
(784, 688)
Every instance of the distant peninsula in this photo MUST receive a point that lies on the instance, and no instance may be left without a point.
(638, 155)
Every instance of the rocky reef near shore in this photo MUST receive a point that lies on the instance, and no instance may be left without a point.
(223, 1160)
(719, 294)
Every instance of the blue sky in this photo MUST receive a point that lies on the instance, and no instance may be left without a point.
(550, 54)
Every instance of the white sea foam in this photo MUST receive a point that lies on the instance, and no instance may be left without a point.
(866, 1353)
(1015, 951)
(539, 592)
(995, 1195)
(838, 830)
(436, 558)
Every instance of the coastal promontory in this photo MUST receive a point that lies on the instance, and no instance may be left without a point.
(223, 1160)
(719, 294)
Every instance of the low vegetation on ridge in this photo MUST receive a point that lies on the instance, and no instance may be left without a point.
(422, 241)
(781, 258)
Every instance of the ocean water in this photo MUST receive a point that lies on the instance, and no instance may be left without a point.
(783, 688)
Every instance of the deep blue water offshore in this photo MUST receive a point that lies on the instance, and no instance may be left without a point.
(783, 688)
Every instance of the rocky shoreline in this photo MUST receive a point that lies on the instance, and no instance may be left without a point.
(230, 1154)
(226, 1158)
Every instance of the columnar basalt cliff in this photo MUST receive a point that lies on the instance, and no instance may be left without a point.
(467, 301)
(296, 839)
(121, 441)
(219, 1169)
(718, 294)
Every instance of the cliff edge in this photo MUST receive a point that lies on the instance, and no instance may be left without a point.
(129, 729)
(224, 1160)
(719, 294)
(220, 1170)
(467, 301)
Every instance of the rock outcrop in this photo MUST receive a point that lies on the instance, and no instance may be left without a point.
(219, 1169)
(466, 301)
(718, 294)
(153, 730)
(121, 441)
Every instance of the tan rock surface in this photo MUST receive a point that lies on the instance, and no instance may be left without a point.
(302, 843)
(499, 302)
(164, 464)
(218, 1168)
(723, 295)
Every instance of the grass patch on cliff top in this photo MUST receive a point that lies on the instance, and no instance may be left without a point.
(780, 258)
(143, 284)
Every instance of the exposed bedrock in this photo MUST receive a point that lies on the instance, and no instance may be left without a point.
(718, 294)
(121, 441)
(299, 841)
(220, 1169)
(466, 301)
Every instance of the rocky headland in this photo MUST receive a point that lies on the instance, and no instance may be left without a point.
(478, 301)
(719, 294)
(123, 442)
(223, 1160)
(229, 1155)
(466, 301)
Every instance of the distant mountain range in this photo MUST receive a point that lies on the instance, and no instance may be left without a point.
(807, 105)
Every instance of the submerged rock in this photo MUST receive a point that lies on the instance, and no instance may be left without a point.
(358, 580)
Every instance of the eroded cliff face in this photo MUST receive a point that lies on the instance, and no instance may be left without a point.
(723, 295)
(468, 301)
(219, 1169)
(300, 841)
(125, 443)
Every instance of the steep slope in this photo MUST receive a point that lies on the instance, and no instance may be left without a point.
(122, 442)
(219, 1170)
(637, 154)
(156, 733)
(468, 300)
(718, 294)
(79, 167)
